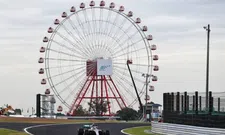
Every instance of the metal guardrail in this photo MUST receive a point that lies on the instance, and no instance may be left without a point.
(178, 129)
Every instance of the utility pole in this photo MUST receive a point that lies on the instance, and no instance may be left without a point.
(146, 95)
(207, 28)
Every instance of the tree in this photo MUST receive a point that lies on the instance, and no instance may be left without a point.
(80, 111)
(98, 106)
(127, 114)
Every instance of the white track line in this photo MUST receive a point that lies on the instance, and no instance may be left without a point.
(46, 125)
(122, 131)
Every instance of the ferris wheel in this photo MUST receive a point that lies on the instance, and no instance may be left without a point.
(97, 52)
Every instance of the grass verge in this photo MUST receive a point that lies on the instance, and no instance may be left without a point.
(4, 131)
(138, 130)
(56, 121)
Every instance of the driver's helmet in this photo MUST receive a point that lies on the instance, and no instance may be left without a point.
(94, 126)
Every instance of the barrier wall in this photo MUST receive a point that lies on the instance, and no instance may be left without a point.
(178, 129)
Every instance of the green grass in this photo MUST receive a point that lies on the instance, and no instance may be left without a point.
(4, 131)
(138, 130)
(58, 121)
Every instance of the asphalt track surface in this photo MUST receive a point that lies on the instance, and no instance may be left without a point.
(67, 129)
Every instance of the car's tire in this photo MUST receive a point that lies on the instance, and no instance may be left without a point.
(92, 133)
(86, 132)
(80, 131)
(107, 132)
(101, 133)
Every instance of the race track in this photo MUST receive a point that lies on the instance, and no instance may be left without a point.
(66, 129)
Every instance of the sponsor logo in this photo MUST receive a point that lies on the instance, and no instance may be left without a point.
(103, 68)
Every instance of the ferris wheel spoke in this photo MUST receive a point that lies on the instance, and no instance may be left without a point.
(74, 81)
(70, 42)
(68, 48)
(62, 66)
(100, 22)
(89, 29)
(130, 52)
(107, 20)
(124, 87)
(75, 29)
(65, 59)
(129, 38)
(114, 23)
(136, 42)
(95, 26)
(109, 33)
(87, 21)
(121, 37)
(126, 74)
(61, 52)
(75, 39)
(65, 72)
(130, 69)
(83, 30)
(122, 74)
(125, 81)
(138, 57)
(84, 46)
(64, 80)
(117, 29)
(80, 24)
(143, 65)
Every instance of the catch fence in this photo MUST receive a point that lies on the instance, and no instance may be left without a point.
(190, 109)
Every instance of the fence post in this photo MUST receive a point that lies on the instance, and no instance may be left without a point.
(182, 103)
(178, 102)
(165, 106)
(200, 103)
(172, 102)
(218, 104)
(210, 103)
(185, 102)
(193, 104)
(196, 102)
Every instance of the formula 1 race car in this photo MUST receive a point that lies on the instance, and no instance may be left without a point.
(92, 130)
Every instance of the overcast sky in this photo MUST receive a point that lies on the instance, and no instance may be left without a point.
(176, 25)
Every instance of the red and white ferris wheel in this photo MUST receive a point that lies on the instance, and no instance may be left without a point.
(97, 52)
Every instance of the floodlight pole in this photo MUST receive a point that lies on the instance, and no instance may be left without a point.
(207, 66)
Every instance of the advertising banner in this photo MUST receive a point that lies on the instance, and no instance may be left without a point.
(104, 67)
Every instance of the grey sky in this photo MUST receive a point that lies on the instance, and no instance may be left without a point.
(176, 25)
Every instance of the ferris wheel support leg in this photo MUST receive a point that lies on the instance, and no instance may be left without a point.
(102, 91)
(107, 96)
(73, 104)
(92, 92)
(118, 92)
(78, 99)
(115, 95)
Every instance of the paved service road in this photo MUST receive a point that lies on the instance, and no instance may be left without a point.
(66, 129)
(71, 129)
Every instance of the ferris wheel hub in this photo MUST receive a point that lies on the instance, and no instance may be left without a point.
(99, 66)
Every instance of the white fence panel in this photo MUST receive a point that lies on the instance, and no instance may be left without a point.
(178, 129)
